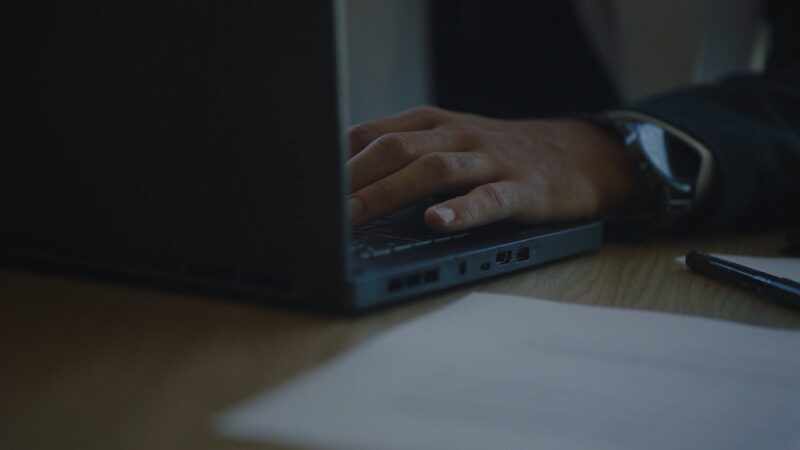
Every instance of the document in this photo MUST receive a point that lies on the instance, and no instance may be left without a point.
(503, 372)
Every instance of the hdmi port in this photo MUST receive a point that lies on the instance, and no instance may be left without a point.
(503, 257)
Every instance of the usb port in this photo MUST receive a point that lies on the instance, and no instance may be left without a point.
(503, 257)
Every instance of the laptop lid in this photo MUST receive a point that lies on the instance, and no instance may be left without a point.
(198, 141)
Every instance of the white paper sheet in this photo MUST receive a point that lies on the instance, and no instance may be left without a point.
(502, 372)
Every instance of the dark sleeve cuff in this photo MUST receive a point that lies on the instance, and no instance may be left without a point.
(747, 124)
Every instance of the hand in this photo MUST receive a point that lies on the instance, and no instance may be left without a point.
(527, 171)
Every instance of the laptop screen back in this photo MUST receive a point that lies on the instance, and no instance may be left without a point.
(187, 136)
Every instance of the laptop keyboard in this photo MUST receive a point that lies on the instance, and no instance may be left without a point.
(390, 235)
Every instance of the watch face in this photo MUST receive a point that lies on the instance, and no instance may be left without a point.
(676, 163)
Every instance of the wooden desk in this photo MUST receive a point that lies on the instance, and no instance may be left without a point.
(93, 365)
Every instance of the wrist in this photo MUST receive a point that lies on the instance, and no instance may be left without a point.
(611, 169)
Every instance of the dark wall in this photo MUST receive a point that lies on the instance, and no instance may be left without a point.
(515, 59)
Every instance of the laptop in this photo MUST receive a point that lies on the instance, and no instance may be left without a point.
(201, 143)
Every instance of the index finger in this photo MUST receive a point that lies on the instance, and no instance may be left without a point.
(416, 119)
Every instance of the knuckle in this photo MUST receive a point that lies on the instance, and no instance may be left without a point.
(443, 166)
(361, 135)
(497, 196)
(426, 110)
(392, 147)
(463, 136)
(428, 113)
(382, 193)
(469, 210)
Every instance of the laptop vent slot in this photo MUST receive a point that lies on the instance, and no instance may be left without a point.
(413, 280)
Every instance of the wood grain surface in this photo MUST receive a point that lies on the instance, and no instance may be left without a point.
(98, 365)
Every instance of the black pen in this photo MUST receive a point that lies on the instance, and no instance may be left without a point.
(781, 290)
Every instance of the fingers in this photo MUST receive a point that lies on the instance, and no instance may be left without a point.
(416, 119)
(430, 174)
(485, 204)
(393, 151)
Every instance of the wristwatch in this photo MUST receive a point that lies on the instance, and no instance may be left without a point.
(673, 168)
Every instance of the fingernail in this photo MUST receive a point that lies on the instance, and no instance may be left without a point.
(446, 214)
(356, 206)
